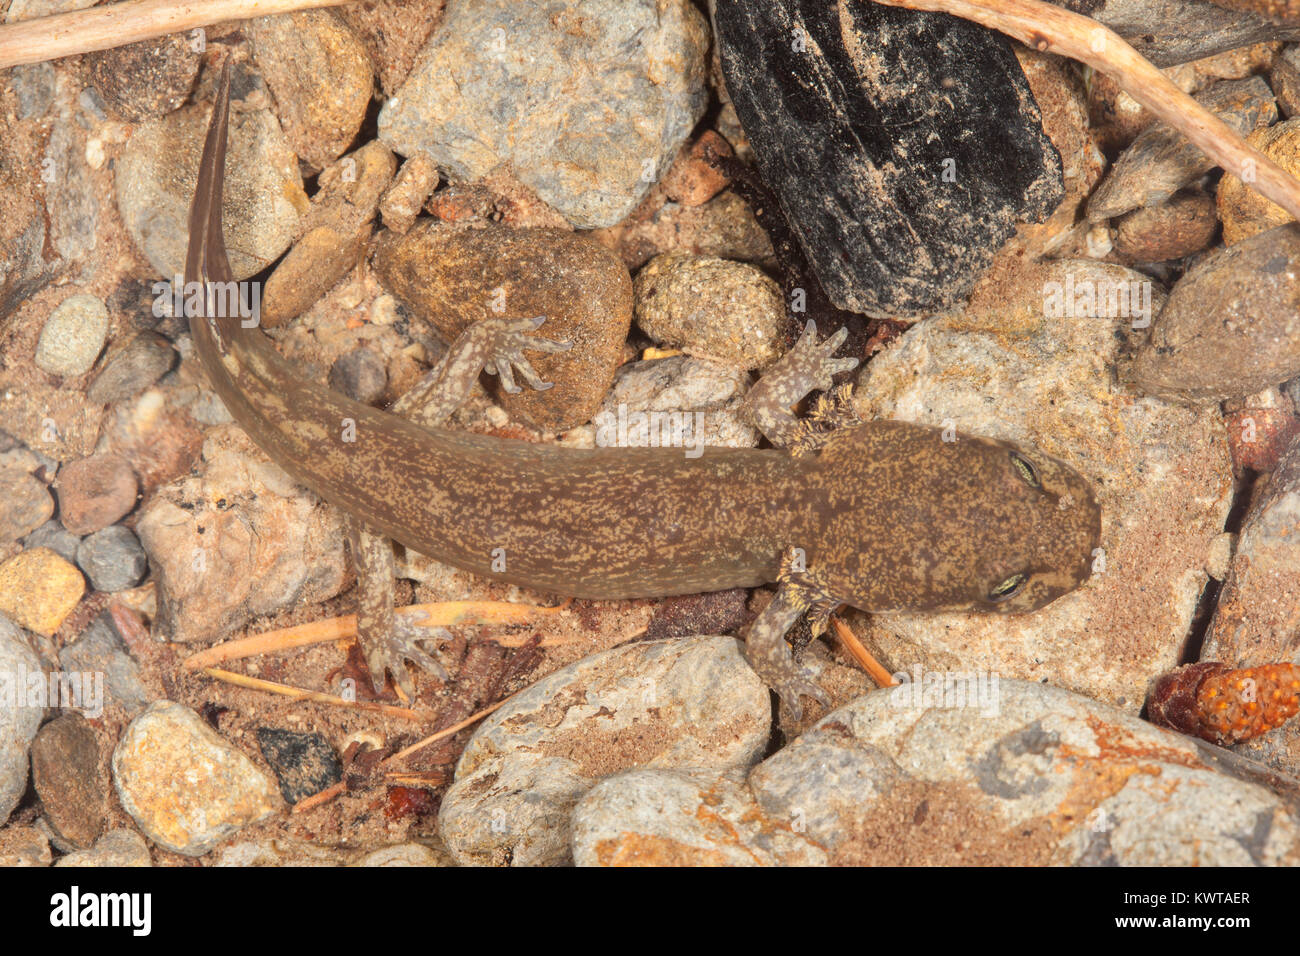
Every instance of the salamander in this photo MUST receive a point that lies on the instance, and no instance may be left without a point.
(880, 515)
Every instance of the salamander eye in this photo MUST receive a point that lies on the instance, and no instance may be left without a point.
(1008, 588)
(1026, 470)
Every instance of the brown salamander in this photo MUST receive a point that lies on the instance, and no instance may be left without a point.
(880, 515)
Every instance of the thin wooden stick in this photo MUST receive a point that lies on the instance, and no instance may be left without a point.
(863, 656)
(319, 797)
(101, 28)
(1053, 30)
(440, 614)
(298, 693)
(446, 731)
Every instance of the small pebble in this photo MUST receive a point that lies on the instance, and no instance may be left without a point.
(39, 589)
(1285, 80)
(359, 374)
(144, 360)
(24, 846)
(1232, 324)
(25, 504)
(337, 230)
(58, 539)
(1162, 161)
(34, 85)
(1243, 210)
(112, 559)
(116, 848)
(99, 650)
(184, 785)
(694, 177)
(1180, 227)
(1259, 429)
(73, 336)
(65, 772)
(729, 312)
(95, 492)
(320, 76)
(18, 720)
(304, 763)
(147, 79)
(412, 185)
(717, 612)
(404, 854)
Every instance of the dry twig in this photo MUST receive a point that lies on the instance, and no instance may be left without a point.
(863, 656)
(440, 614)
(102, 28)
(298, 693)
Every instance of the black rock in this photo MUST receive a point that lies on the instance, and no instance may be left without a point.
(304, 763)
(904, 147)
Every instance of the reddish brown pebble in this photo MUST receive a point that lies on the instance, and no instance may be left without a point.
(95, 492)
(694, 177)
(1172, 700)
(1180, 227)
(460, 202)
(1258, 436)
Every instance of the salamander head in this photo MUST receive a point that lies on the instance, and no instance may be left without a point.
(918, 523)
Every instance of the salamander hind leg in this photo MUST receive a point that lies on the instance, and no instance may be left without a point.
(768, 653)
(807, 367)
(388, 640)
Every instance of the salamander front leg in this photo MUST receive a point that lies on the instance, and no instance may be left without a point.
(766, 648)
(805, 368)
(494, 345)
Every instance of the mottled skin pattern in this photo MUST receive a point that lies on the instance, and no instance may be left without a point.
(879, 515)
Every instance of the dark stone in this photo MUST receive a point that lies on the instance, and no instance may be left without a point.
(304, 763)
(144, 360)
(100, 650)
(65, 772)
(717, 612)
(852, 118)
(112, 558)
(146, 79)
(360, 375)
